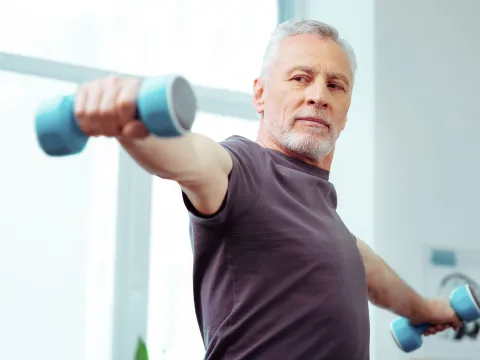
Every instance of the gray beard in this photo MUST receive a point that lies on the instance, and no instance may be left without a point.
(314, 144)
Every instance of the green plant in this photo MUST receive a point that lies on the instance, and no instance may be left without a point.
(142, 352)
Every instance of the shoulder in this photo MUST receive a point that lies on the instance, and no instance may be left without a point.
(245, 153)
(240, 144)
(245, 181)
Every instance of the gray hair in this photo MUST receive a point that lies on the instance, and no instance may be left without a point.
(299, 27)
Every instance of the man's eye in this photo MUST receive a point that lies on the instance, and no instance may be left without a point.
(335, 86)
(300, 79)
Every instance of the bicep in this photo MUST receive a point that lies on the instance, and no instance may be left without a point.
(374, 265)
(368, 255)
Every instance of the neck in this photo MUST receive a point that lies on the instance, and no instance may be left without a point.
(268, 142)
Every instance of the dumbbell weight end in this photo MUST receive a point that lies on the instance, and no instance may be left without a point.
(57, 130)
(166, 106)
(408, 337)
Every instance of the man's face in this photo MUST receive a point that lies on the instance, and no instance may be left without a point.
(306, 96)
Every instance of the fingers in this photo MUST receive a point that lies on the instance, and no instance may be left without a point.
(105, 106)
(93, 99)
(107, 111)
(81, 111)
(434, 329)
(126, 105)
(457, 323)
(134, 130)
(126, 101)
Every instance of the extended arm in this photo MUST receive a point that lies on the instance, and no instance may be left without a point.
(106, 107)
(387, 290)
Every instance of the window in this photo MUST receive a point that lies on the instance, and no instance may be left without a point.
(62, 212)
(172, 327)
(213, 43)
(58, 233)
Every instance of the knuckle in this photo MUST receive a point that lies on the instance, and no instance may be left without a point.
(79, 112)
(106, 111)
(125, 108)
(90, 113)
(124, 104)
(113, 79)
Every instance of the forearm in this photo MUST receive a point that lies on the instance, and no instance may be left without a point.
(183, 159)
(387, 290)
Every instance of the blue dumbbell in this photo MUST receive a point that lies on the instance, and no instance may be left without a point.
(408, 337)
(166, 106)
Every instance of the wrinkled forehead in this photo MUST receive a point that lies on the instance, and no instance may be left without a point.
(324, 55)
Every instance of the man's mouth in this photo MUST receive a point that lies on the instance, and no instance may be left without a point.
(316, 121)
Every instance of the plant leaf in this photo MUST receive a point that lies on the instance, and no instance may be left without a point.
(142, 352)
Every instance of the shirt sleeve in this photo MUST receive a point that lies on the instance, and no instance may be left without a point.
(244, 185)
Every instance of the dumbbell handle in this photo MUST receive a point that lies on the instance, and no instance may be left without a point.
(165, 105)
(66, 105)
(421, 328)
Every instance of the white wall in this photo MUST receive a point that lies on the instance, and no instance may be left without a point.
(412, 137)
(426, 135)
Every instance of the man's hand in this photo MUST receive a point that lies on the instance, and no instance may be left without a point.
(388, 291)
(439, 313)
(106, 107)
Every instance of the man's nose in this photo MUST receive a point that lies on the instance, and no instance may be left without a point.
(318, 95)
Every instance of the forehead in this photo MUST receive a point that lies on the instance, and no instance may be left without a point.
(310, 50)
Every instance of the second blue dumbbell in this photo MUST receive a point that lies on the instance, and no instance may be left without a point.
(165, 105)
(408, 337)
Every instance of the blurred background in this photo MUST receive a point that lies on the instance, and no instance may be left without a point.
(95, 253)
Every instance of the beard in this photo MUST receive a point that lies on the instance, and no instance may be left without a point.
(312, 142)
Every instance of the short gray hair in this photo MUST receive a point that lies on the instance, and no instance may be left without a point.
(299, 27)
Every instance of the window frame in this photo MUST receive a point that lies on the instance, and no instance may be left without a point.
(130, 306)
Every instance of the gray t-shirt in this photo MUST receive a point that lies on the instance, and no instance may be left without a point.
(277, 275)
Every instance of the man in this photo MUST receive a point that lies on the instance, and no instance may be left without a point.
(277, 275)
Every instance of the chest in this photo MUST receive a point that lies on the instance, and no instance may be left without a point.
(295, 220)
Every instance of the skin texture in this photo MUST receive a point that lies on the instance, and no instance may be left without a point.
(310, 79)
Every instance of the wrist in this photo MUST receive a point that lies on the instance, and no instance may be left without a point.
(419, 310)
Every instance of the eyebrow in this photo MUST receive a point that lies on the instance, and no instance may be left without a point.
(307, 69)
(312, 70)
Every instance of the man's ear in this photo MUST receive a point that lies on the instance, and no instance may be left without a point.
(258, 89)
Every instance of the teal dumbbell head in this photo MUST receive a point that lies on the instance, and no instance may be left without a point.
(166, 106)
(408, 337)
